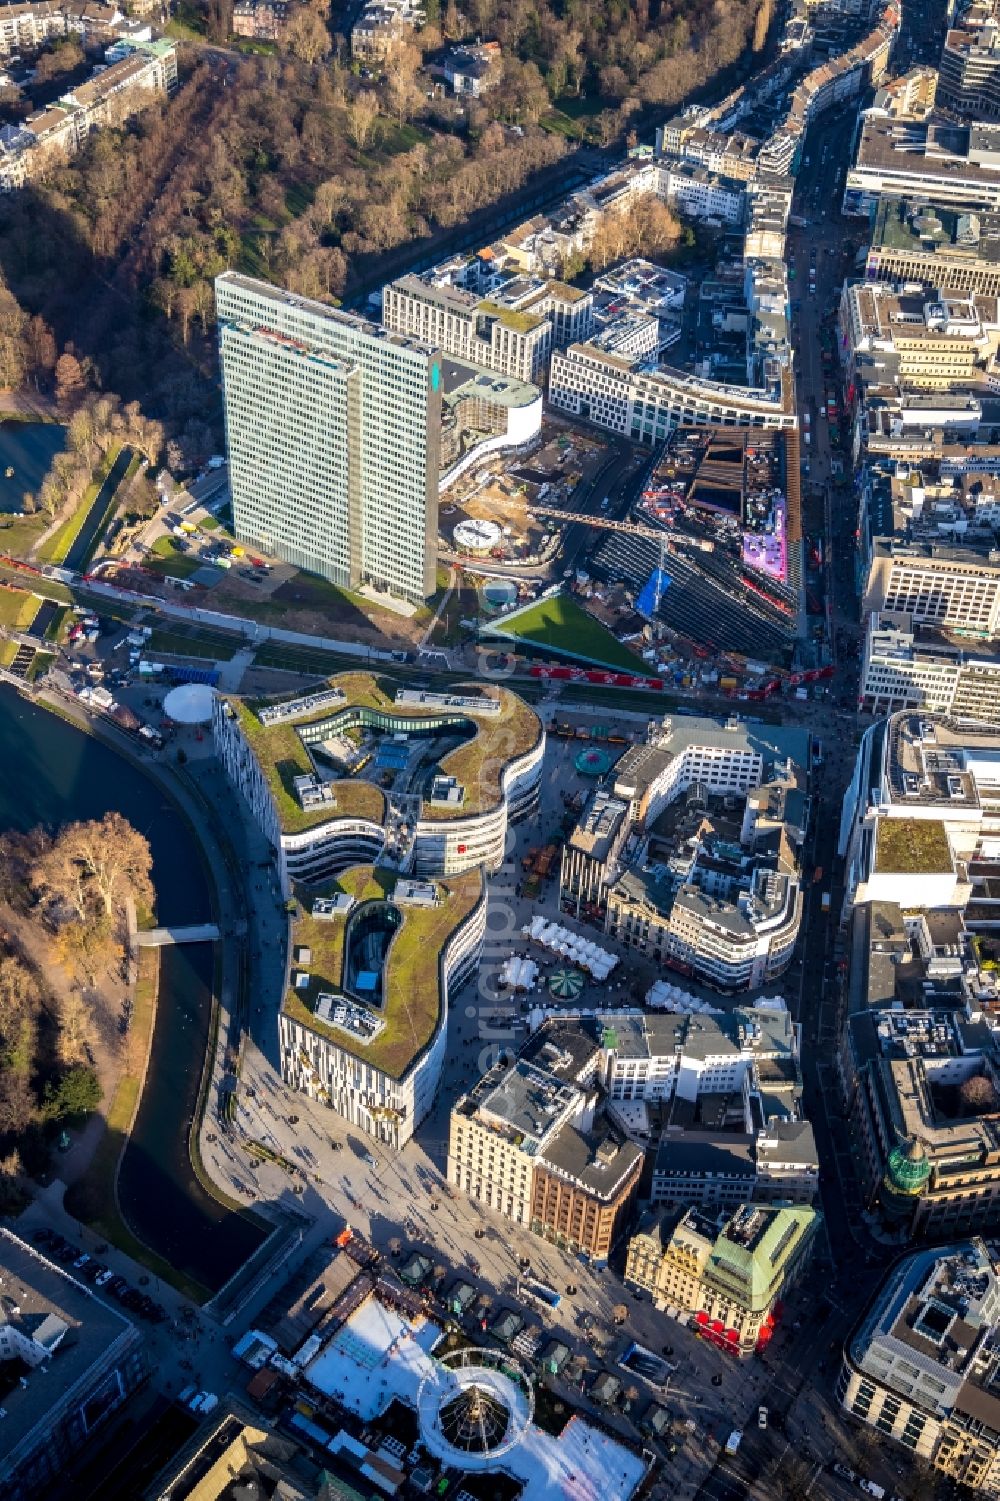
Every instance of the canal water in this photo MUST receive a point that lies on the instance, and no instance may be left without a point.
(52, 773)
(26, 453)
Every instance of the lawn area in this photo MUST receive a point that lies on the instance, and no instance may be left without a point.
(561, 124)
(40, 664)
(18, 534)
(297, 658)
(17, 608)
(47, 588)
(178, 644)
(167, 558)
(8, 651)
(56, 548)
(94, 1199)
(310, 592)
(560, 625)
(58, 625)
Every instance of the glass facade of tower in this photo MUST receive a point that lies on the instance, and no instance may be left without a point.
(333, 430)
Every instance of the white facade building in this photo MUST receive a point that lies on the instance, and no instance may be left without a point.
(333, 432)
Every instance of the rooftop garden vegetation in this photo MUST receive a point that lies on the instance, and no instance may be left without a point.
(411, 994)
(912, 846)
(477, 764)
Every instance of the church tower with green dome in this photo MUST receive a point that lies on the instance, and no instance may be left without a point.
(905, 1179)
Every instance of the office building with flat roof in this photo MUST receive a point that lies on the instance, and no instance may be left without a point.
(906, 667)
(590, 854)
(969, 71)
(927, 1147)
(953, 587)
(923, 1366)
(916, 241)
(333, 430)
(68, 1360)
(923, 801)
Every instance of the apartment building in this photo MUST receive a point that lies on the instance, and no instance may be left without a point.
(908, 667)
(923, 1367)
(333, 429)
(382, 25)
(698, 193)
(954, 588)
(591, 854)
(263, 20)
(969, 68)
(727, 1274)
(471, 71)
(136, 73)
(942, 247)
(24, 27)
(512, 331)
(71, 1360)
(910, 96)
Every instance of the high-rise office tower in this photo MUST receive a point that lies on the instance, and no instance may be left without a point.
(333, 431)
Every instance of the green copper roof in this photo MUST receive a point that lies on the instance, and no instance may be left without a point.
(908, 1168)
(752, 1267)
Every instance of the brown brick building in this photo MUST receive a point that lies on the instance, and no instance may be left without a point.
(582, 1191)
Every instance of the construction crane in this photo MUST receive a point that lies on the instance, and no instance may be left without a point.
(632, 528)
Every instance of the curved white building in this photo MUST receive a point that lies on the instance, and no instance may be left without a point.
(299, 765)
(370, 1043)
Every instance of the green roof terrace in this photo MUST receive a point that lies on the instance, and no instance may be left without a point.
(370, 703)
(912, 846)
(411, 991)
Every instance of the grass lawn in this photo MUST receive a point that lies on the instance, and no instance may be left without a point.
(296, 658)
(17, 608)
(8, 651)
(18, 534)
(209, 523)
(561, 124)
(94, 1199)
(40, 664)
(58, 625)
(177, 644)
(55, 548)
(561, 626)
(167, 557)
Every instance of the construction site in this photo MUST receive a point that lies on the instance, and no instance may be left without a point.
(698, 555)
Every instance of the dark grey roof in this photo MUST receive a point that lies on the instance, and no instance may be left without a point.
(564, 1048)
(696, 1153)
(596, 1160)
(73, 1323)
